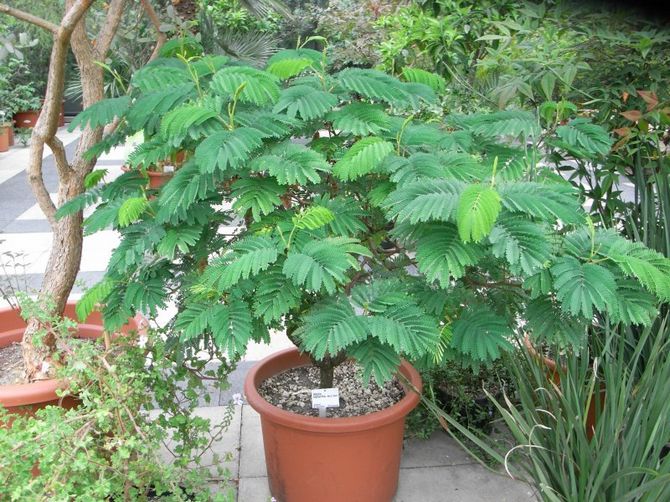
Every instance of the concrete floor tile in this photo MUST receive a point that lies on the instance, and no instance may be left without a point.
(226, 445)
(254, 490)
(464, 483)
(439, 450)
(252, 455)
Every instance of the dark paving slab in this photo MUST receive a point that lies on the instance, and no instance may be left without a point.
(16, 197)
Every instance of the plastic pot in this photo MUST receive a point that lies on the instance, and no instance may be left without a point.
(329, 459)
(4, 138)
(27, 398)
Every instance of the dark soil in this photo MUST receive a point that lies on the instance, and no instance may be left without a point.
(292, 391)
(11, 364)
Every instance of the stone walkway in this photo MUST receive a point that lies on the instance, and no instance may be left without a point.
(433, 470)
(436, 470)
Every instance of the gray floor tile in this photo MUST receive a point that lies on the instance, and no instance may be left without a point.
(439, 450)
(252, 459)
(254, 490)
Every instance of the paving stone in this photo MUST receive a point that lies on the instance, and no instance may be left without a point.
(462, 483)
(226, 447)
(439, 450)
(254, 490)
(252, 459)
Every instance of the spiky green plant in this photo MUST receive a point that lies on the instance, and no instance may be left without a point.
(365, 230)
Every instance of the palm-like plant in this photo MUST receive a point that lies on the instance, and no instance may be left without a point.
(363, 230)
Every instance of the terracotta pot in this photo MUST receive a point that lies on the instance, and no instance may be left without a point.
(4, 138)
(156, 179)
(27, 398)
(26, 118)
(329, 459)
(555, 376)
(29, 118)
(10, 132)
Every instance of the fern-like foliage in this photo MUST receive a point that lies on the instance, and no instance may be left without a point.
(323, 263)
(478, 209)
(481, 334)
(101, 113)
(246, 258)
(342, 208)
(254, 86)
(306, 101)
(424, 200)
(443, 256)
(432, 80)
(362, 158)
(360, 119)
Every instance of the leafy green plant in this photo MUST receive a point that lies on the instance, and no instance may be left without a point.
(110, 447)
(368, 231)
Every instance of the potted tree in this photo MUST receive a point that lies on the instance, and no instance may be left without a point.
(371, 229)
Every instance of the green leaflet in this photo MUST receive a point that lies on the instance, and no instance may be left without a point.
(360, 119)
(306, 101)
(323, 263)
(258, 195)
(101, 113)
(481, 334)
(332, 326)
(442, 255)
(581, 288)
(432, 80)
(227, 149)
(478, 209)
(524, 244)
(424, 200)
(290, 164)
(258, 87)
(362, 158)
(247, 258)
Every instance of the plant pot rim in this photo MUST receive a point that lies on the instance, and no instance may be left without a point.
(158, 174)
(42, 391)
(548, 362)
(292, 358)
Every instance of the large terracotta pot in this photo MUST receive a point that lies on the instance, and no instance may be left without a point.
(4, 138)
(329, 459)
(30, 397)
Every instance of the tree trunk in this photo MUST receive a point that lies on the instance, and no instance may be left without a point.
(326, 372)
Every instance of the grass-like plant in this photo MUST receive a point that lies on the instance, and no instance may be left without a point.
(368, 226)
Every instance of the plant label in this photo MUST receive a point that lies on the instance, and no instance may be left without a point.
(326, 398)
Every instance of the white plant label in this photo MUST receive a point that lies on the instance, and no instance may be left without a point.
(326, 398)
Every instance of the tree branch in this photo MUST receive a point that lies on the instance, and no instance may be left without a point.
(153, 17)
(29, 18)
(108, 30)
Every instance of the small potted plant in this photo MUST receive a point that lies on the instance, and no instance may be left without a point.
(27, 105)
(372, 229)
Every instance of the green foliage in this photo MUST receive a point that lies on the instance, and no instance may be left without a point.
(478, 209)
(362, 158)
(108, 447)
(363, 222)
(101, 113)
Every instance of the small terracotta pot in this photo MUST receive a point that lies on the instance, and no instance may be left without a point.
(26, 119)
(554, 376)
(4, 138)
(27, 398)
(329, 459)
(29, 118)
(156, 178)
